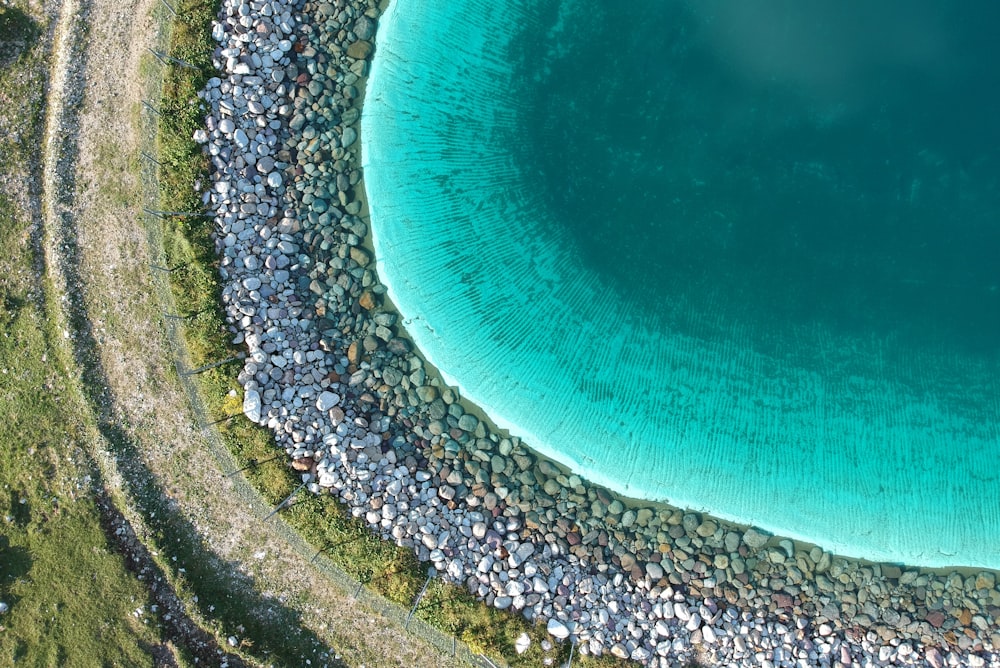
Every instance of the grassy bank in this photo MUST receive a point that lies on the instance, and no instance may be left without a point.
(381, 566)
(70, 599)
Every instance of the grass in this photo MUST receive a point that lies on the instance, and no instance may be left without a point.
(71, 600)
(384, 568)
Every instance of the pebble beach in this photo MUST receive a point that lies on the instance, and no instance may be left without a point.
(330, 370)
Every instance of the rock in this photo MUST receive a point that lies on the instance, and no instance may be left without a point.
(619, 651)
(986, 580)
(447, 493)
(557, 629)
(241, 138)
(654, 571)
(367, 300)
(522, 643)
(360, 255)
(782, 600)
(427, 393)
(776, 555)
(468, 423)
(327, 400)
(707, 528)
(521, 554)
(754, 539)
(360, 49)
(364, 28)
(934, 658)
(502, 602)
(350, 136)
(252, 406)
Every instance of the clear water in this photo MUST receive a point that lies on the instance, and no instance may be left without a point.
(741, 258)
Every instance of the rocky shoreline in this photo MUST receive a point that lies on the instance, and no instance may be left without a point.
(331, 372)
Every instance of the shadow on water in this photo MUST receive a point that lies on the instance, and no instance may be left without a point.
(17, 32)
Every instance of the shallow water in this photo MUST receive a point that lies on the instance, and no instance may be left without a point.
(741, 261)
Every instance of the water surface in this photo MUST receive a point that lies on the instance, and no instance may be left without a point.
(737, 258)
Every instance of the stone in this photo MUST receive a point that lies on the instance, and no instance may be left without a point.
(468, 422)
(367, 300)
(360, 255)
(522, 643)
(252, 405)
(707, 528)
(427, 393)
(364, 28)
(986, 580)
(654, 571)
(935, 618)
(754, 539)
(350, 136)
(557, 629)
(360, 49)
(327, 400)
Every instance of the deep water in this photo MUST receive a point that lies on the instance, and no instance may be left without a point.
(739, 257)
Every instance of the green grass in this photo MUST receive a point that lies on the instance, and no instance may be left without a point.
(72, 601)
(383, 567)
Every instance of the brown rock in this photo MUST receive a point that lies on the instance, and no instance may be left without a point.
(935, 618)
(965, 617)
(360, 255)
(367, 300)
(782, 600)
(304, 464)
(360, 50)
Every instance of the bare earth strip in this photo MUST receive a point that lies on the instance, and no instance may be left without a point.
(141, 395)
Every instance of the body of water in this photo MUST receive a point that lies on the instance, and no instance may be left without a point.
(743, 259)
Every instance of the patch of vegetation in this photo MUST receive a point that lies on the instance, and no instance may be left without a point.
(384, 568)
(68, 598)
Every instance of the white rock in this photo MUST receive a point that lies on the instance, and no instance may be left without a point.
(274, 180)
(327, 400)
(251, 405)
(522, 643)
(241, 138)
(557, 629)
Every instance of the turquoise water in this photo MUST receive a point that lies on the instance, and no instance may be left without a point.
(741, 260)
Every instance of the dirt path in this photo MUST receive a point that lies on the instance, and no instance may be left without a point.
(98, 257)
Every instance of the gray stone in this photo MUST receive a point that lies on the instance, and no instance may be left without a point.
(468, 422)
(350, 136)
(364, 28)
(754, 539)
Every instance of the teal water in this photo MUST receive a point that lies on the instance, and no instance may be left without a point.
(741, 259)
